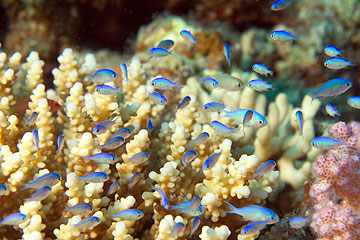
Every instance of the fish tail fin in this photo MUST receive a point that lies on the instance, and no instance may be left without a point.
(313, 96)
(271, 73)
(178, 86)
(24, 186)
(232, 208)
(351, 64)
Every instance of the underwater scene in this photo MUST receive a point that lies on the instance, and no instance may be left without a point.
(165, 120)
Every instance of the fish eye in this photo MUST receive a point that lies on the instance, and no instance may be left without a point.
(260, 121)
(206, 107)
(59, 178)
(313, 143)
(239, 84)
(152, 84)
(253, 67)
(348, 84)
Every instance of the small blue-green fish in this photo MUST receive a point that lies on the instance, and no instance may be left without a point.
(257, 120)
(102, 127)
(149, 124)
(166, 44)
(330, 109)
(201, 139)
(129, 215)
(298, 222)
(228, 82)
(178, 228)
(354, 102)
(300, 120)
(123, 69)
(159, 52)
(282, 36)
(3, 190)
(103, 158)
(60, 142)
(164, 200)
(336, 63)
(31, 119)
(195, 225)
(259, 85)
(14, 219)
(115, 186)
(184, 103)
(264, 168)
(134, 179)
(95, 177)
(210, 83)
(103, 76)
(139, 158)
(106, 90)
(158, 98)
(253, 227)
(188, 37)
(255, 213)
(281, 4)
(332, 88)
(326, 143)
(164, 84)
(40, 194)
(221, 128)
(79, 209)
(87, 223)
(123, 132)
(113, 144)
(189, 156)
(262, 69)
(193, 212)
(213, 107)
(211, 161)
(332, 51)
(49, 179)
(227, 54)
(36, 140)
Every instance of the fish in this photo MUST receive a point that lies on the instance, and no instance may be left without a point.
(35, 134)
(158, 98)
(129, 215)
(113, 144)
(213, 107)
(188, 37)
(211, 161)
(336, 63)
(21, 106)
(354, 102)
(210, 83)
(262, 69)
(49, 179)
(115, 186)
(3, 190)
(332, 88)
(259, 85)
(332, 51)
(31, 119)
(298, 222)
(14, 219)
(103, 158)
(200, 139)
(164, 84)
(124, 71)
(149, 124)
(227, 54)
(178, 228)
(257, 120)
(330, 109)
(87, 223)
(264, 168)
(123, 132)
(139, 158)
(166, 44)
(184, 103)
(159, 52)
(253, 227)
(102, 127)
(222, 129)
(103, 76)
(134, 179)
(254, 213)
(95, 177)
(40, 194)
(60, 142)
(79, 209)
(300, 120)
(228, 82)
(193, 212)
(281, 4)
(106, 90)
(326, 143)
(195, 225)
(189, 156)
(282, 36)
(164, 200)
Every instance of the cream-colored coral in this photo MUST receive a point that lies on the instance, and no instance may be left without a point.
(218, 233)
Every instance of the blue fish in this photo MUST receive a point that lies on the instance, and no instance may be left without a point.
(259, 85)
(31, 119)
(40, 194)
(36, 140)
(195, 225)
(354, 102)
(49, 179)
(103, 76)
(264, 168)
(300, 120)
(123, 69)
(281, 4)
(166, 44)
(298, 222)
(262, 69)
(139, 158)
(326, 143)
(201, 139)
(188, 37)
(79, 209)
(330, 109)
(134, 179)
(253, 227)
(87, 223)
(213, 107)
(228, 82)
(103, 158)
(164, 84)
(164, 200)
(257, 120)
(211, 161)
(332, 51)
(178, 228)
(210, 83)
(14, 219)
(115, 186)
(332, 88)
(123, 132)
(189, 156)
(227, 54)
(113, 144)
(222, 129)
(60, 142)
(184, 103)
(149, 124)
(158, 98)
(158, 52)
(106, 90)
(282, 36)
(193, 212)
(129, 215)
(3, 190)
(102, 127)
(95, 177)
(336, 63)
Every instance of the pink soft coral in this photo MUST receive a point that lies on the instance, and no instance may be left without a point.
(336, 192)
